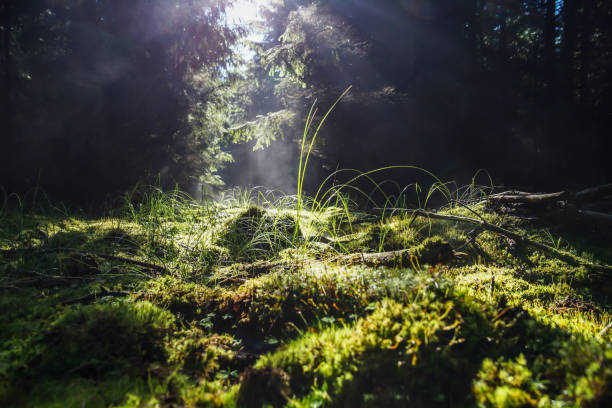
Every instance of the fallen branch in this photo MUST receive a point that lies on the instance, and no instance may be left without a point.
(529, 199)
(604, 330)
(594, 192)
(148, 265)
(40, 282)
(590, 207)
(249, 269)
(595, 217)
(430, 253)
(564, 256)
(154, 267)
(93, 296)
(517, 197)
(51, 280)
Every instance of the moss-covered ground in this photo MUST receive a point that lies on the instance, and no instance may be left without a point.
(170, 302)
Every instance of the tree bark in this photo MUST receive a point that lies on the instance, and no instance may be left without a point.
(550, 28)
(585, 58)
(7, 62)
(570, 8)
(503, 34)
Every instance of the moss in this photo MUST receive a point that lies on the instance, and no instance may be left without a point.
(187, 300)
(282, 303)
(586, 368)
(389, 236)
(78, 392)
(507, 384)
(507, 326)
(579, 374)
(427, 352)
(102, 338)
(121, 240)
(255, 234)
(67, 239)
(278, 303)
(263, 387)
(213, 255)
(434, 250)
(387, 353)
(390, 359)
(192, 350)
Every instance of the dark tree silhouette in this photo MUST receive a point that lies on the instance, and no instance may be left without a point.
(98, 94)
(452, 86)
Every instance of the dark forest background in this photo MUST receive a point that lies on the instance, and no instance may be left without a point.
(98, 95)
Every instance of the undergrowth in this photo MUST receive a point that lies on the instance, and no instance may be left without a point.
(257, 298)
(243, 302)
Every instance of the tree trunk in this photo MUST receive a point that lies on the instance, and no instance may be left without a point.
(549, 44)
(569, 45)
(475, 34)
(6, 48)
(503, 34)
(585, 57)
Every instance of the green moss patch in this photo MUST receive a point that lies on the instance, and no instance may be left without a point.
(102, 338)
(255, 234)
(177, 303)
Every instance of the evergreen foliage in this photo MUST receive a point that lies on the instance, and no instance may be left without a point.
(99, 95)
(514, 88)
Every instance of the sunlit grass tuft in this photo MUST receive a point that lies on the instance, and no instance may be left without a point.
(169, 300)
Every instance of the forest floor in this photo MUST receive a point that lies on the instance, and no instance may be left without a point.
(172, 302)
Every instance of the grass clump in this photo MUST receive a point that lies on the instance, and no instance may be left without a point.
(252, 302)
(256, 234)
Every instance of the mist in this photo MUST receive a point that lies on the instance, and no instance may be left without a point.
(433, 89)
(99, 97)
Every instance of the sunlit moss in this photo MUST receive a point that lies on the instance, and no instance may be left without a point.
(500, 325)
(193, 350)
(255, 234)
(187, 301)
(387, 358)
(579, 374)
(508, 384)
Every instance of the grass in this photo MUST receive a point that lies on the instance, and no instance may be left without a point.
(220, 305)
(250, 300)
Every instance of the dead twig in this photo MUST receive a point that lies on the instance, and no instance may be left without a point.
(472, 235)
(443, 253)
(158, 268)
(46, 281)
(604, 330)
(564, 256)
(559, 199)
(529, 199)
(594, 192)
(93, 296)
